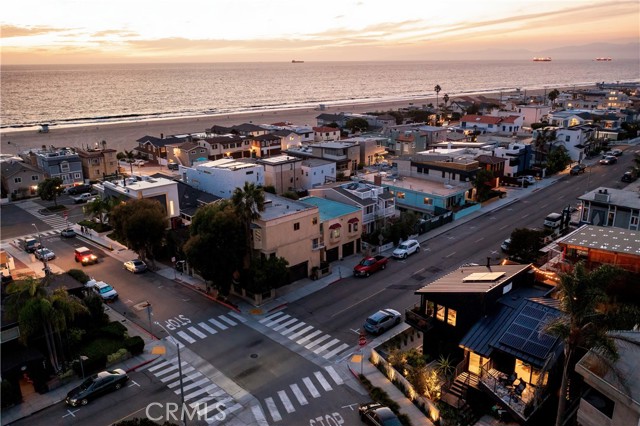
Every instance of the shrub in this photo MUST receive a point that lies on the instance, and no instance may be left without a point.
(113, 330)
(134, 344)
(91, 365)
(116, 356)
(78, 275)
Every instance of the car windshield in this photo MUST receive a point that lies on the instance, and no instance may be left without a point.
(137, 263)
(85, 385)
(367, 262)
(403, 246)
(106, 289)
(391, 422)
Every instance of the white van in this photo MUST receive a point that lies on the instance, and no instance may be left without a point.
(553, 221)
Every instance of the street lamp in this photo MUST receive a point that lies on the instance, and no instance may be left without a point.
(184, 419)
(44, 258)
(82, 358)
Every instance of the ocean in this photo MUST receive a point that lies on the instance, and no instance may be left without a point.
(97, 93)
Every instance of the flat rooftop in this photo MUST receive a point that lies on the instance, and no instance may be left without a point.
(329, 209)
(617, 197)
(419, 185)
(605, 238)
(473, 279)
(276, 206)
(224, 163)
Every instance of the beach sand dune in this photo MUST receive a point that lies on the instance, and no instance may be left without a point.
(123, 136)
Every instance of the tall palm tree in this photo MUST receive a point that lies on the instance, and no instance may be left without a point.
(101, 208)
(248, 202)
(445, 98)
(586, 322)
(437, 89)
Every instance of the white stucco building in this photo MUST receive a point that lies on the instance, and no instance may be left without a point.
(222, 177)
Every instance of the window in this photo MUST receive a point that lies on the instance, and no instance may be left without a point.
(634, 221)
(296, 226)
(64, 166)
(610, 218)
(335, 233)
(35, 178)
(443, 174)
(353, 227)
(77, 176)
(428, 201)
(400, 195)
(451, 317)
(440, 313)
(17, 180)
(314, 221)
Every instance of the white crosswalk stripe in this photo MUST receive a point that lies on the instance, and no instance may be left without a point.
(237, 316)
(273, 410)
(207, 328)
(318, 341)
(284, 324)
(300, 333)
(197, 332)
(334, 375)
(228, 320)
(323, 382)
(335, 351)
(186, 337)
(308, 337)
(217, 323)
(294, 328)
(312, 389)
(298, 394)
(259, 415)
(286, 402)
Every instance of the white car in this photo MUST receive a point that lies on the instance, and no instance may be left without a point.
(529, 179)
(105, 291)
(406, 248)
(139, 163)
(44, 254)
(135, 266)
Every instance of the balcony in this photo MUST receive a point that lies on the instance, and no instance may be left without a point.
(419, 320)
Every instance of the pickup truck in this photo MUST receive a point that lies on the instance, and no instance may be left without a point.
(369, 265)
(82, 198)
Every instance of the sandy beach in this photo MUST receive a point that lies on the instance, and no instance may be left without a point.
(123, 135)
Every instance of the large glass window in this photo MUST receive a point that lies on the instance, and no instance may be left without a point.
(451, 317)
(440, 313)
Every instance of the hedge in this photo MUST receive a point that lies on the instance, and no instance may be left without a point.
(78, 275)
(135, 345)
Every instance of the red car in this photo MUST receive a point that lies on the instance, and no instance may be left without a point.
(369, 265)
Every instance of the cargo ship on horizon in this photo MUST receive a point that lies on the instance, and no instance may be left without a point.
(542, 59)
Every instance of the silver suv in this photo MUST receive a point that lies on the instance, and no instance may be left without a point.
(406, 248)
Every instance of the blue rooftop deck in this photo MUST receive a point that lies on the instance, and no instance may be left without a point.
(329, 209)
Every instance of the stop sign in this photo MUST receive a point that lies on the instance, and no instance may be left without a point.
(362, 340)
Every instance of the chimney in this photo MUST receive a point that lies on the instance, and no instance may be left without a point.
(377, 180)
(161, 135)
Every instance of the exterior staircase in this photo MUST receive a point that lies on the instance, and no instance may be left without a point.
(458, 391)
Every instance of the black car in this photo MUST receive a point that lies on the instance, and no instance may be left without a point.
(378, 415)
(629, 177)
(79, 189)
(97, 385)
(577, 169)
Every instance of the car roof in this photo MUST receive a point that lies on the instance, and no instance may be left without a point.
(385, 413)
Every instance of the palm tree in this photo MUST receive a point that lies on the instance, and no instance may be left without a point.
(130, 155)
(248, 202)
(445, 98)
(586, 322)
(101, 208)
(437, 89)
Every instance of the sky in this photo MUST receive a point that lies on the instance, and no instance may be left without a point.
(134, 31)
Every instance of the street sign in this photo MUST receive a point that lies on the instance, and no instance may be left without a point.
(66, 214)
(362, 340)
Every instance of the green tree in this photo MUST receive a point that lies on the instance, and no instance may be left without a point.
(543, 142)
(43, 315)
(483, 184)
(50, 189)
(558, 159)
(437, 89)
(248, 202)
(526, 244)
(141, 224)
(216, 246)
(268, 273)
(588, 319)
(357, 124)
(101, 208)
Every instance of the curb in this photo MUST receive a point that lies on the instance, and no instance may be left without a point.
(142, 364)
(187, 285)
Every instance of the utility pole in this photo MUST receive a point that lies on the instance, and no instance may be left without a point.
(44, 259)
(184, 419)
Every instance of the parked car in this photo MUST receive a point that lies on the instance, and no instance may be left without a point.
(530, 180)
(577, 169)
(376, 414)
(406, 248)
(85, 256)
(44, 254)
(83, 198)
(382, 321)
(139, 163)
(629, 176)
(79, 189)
(369, 265)
(173, 166)
(616, 152)
(105, 291)
(609, 159)
(31, 245)
(68, 233)
(96, 385)
(505, 245)
(135, 266)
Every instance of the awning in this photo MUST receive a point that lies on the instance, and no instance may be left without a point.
(354, 220)
(335, 226)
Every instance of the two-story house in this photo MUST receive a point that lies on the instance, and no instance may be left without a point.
(324, 133)
(492, 124)
(345, 155)
(340, 226)
(222, 177)
(317, 172)
(154, 148)
(20, 179)
(265, 145)
(62, 163)
(610, 207)
(283, 172)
